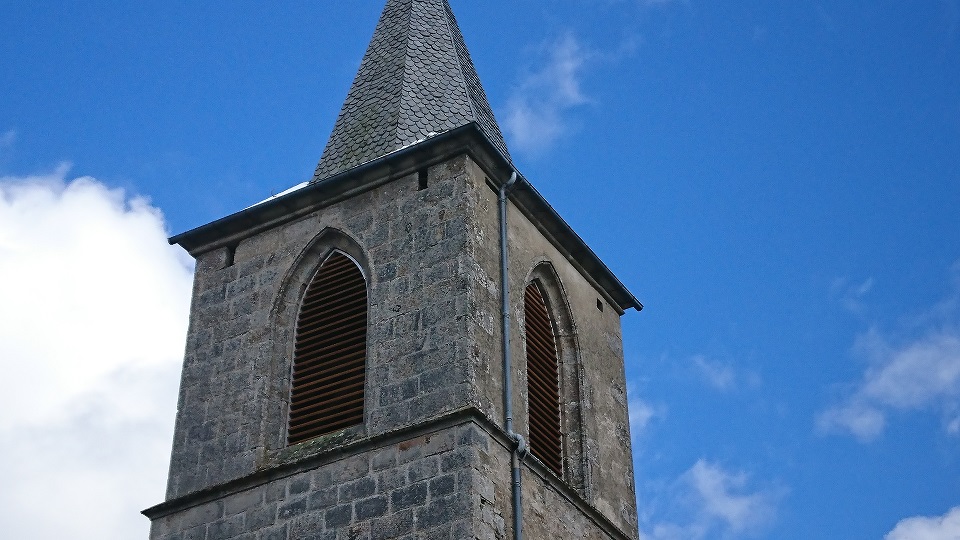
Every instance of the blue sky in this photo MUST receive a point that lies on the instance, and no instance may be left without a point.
(778, 183)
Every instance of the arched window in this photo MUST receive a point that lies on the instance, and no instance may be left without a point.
(329, 365)
(543, 381)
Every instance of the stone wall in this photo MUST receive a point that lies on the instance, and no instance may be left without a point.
(235, 383)
(431, 261)
(549, 510)
(417, 488)
(598, 460)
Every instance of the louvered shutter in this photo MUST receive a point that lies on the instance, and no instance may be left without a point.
(330, 354)
(543, 385)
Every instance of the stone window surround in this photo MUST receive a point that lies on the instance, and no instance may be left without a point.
(575, 467)
(283, 318)
(294, 284)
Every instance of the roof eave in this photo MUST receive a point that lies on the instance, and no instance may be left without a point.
(232, 229)
(468, 139)
(536, 208)
(554, 227)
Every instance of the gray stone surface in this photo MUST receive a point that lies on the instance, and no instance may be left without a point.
(598, 459)
(235, 383)
(374, 503)
(416, 79)
(430, 258)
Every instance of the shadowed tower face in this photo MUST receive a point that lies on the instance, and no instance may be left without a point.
(344, 375)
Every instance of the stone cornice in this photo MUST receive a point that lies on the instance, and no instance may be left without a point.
(296, 464)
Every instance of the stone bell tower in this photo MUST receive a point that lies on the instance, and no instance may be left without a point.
(412, 345)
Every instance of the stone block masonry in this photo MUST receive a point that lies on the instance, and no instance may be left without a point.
(430, 460)
(235, 384)
(420, 487)
(450, 484)
(405, 188)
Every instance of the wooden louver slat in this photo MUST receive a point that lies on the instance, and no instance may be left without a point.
(329, 362)
(543, 381)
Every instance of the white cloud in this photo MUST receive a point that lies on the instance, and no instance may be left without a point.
(92, 325)
(672, 531)
(7, 139)
(916, 374)
(860, 420)
(725, 498)
(920, 372)
(945, 527)
(717, 375)
(536, 112)
(716, 502)
(641, 412)
(852, 294)
(723, 376)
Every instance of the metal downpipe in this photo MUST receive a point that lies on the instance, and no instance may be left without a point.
(520, 447)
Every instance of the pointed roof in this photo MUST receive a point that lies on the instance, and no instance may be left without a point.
(416, 80)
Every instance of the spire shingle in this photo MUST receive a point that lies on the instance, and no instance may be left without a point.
(415, 80)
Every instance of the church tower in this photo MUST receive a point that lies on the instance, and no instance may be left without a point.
(413, 345)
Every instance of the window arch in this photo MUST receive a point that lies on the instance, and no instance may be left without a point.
(543, 381)
(329, 367)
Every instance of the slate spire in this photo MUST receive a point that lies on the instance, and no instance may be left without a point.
(416, 79)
